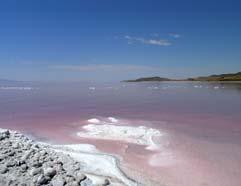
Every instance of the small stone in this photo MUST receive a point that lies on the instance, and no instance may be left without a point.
(11, 153)
(24, 167)
(37, 164)
(42, 180)
(43, 152)
(36, 146)
(58, 181)
(49, 172)
(59, 168)
(4, 134)
(106, 182)
(74, 183)
(4, 131)
(69, 179)
(2, 157)
(4, 170)
(26, 155)
(11, 163)
(35, 171)
(80, 177)
(16, 146)
(58, 162)
(86, 182)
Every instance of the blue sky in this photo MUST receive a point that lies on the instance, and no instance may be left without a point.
(113, 40)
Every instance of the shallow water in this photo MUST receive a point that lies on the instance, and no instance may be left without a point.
(202, 123)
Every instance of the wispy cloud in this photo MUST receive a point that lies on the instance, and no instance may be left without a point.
(158, 42)
(174, 35)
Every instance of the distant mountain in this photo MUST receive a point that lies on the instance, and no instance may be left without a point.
(220, 77)
(156, 78)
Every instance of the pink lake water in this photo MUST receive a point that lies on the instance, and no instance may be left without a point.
(202, 123)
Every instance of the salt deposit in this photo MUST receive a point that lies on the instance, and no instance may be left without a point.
(94, 120)
(138, 135)
(101, 163)
(113, 120)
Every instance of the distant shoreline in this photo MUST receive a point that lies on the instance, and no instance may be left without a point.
(232, 77)
(182, 81)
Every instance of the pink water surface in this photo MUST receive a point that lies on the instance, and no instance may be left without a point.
(203, 125)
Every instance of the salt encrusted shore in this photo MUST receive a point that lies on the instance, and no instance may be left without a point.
(25, 162)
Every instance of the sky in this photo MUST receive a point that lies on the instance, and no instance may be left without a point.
(112, 40)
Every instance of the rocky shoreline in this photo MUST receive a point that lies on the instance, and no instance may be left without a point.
(25, 162)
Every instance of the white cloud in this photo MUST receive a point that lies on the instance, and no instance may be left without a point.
(174, 35)
(158, 42)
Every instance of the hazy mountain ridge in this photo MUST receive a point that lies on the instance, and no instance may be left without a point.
(155, 78)
(219, 77)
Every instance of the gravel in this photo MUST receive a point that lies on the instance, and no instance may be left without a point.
(24, 162)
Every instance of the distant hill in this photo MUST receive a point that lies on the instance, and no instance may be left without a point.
(156, 78)
(220, 77)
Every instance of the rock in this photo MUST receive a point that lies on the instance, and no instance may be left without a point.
(26, 155)
(80, 177)
(42, 180)
(43, 153)
(24, 168)
(16, 146)
(74, 183)
(35, 171)
(4, 170)
(36, 146)
(2, 157)
(59, 168)
(11, 163)
(25, 163)
(11, 153)
(4, 132)
(86, 182)
(58, 181)
(58, 162)
(69, 179)
(37, 164)
(70, 173)
(106, 182)
(49, 172)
